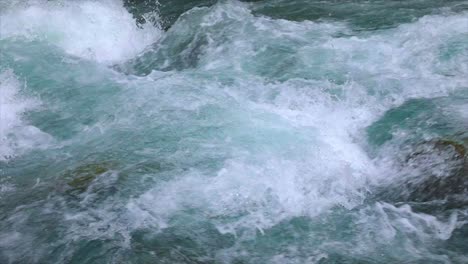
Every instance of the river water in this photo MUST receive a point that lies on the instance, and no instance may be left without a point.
(233, 132)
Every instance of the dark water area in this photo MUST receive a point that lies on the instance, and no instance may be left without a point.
(233, 131)
(363, 14)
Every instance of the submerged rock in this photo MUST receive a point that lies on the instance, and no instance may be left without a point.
(435, 170)
(459, 148)
(84, 175)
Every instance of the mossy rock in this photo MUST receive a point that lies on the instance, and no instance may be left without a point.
(458, 147)
(441, 146)
(435, 170)
(84, 175)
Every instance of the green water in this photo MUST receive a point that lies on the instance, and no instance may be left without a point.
(233, 131)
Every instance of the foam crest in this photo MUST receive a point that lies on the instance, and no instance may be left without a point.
(97, 30)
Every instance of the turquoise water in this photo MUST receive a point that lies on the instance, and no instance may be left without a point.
(233, 132)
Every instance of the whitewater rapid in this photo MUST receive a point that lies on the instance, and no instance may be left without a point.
(231, 137)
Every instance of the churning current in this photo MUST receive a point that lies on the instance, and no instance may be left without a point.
(251, 132)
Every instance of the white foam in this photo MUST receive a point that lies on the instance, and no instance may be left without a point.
(261, 187)
(15, 135)
(383, 224)
(310, 165)
(98, 30)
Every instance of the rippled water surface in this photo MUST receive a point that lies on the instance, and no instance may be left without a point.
(266, 131)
